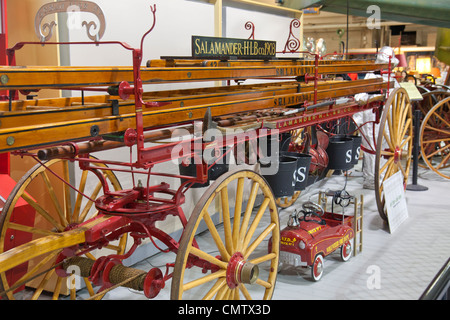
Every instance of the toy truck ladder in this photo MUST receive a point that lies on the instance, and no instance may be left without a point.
(357, 219)
(358, 225)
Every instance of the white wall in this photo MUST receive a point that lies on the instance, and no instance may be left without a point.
(268, 26)
(176, 21)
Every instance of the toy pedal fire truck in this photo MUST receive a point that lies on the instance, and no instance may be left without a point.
(313, 233)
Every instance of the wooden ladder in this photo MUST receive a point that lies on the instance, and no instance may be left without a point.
(358, 225)
(357, 219)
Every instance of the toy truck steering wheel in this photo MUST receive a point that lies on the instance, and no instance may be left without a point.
(313, 209)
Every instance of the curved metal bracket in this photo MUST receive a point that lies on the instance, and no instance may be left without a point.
(45, 31)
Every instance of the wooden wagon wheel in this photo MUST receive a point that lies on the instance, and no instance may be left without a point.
(394, 143)
(243, 257)
(430, 99)
(286, 202)
(54, 213)
(435, 138)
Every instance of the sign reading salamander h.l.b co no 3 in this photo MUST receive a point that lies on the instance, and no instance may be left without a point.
(226, 48)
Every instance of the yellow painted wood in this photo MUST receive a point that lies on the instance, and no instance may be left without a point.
(396, 132)
(39, 128)
(66, 77)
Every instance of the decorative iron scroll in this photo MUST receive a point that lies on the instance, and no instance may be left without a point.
(292, 43)
(250, 26)
(45, 31)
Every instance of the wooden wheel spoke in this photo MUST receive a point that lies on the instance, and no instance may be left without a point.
(238, 210)
(215, 288)
(79, 199)
(32, 230)
(42, 212)
(443, 162)
(258, 240)
(203, 255)
(389, 172)
(89, 204)
(203, 280)
(42, 284)
(435, 140)
(387, 153)
(57, 290)
(447, 124)
(399, 165)
(390, 126)
(54, 198)
(264, 258)
(245, 292)
(405, 141)
(67, 189)
(388, 162)
(430, 155)
(216, 237)
(399, 120)
(89, 287)
(235, 295)
(437, 130)
(263, 283)
(255, 222)
(36, 268)
(403, 133)
(226, 219)
(248, 212)
(388, 140)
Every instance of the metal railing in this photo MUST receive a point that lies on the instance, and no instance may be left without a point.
(439, 288)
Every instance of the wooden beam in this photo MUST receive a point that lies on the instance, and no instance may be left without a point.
(31, 78)
(40, 128)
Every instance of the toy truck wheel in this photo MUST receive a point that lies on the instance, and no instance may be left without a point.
(346, 251)
(317, 268)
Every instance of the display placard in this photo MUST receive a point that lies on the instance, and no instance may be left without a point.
(228, 48)
(394, 194)
(413, 92)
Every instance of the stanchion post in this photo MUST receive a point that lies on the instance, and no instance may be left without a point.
(414, 186)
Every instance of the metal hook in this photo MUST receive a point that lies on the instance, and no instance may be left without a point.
(153, 9)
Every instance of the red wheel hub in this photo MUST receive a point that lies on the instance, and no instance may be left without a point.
(153, 283)
(241, 271)
(397, 154)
